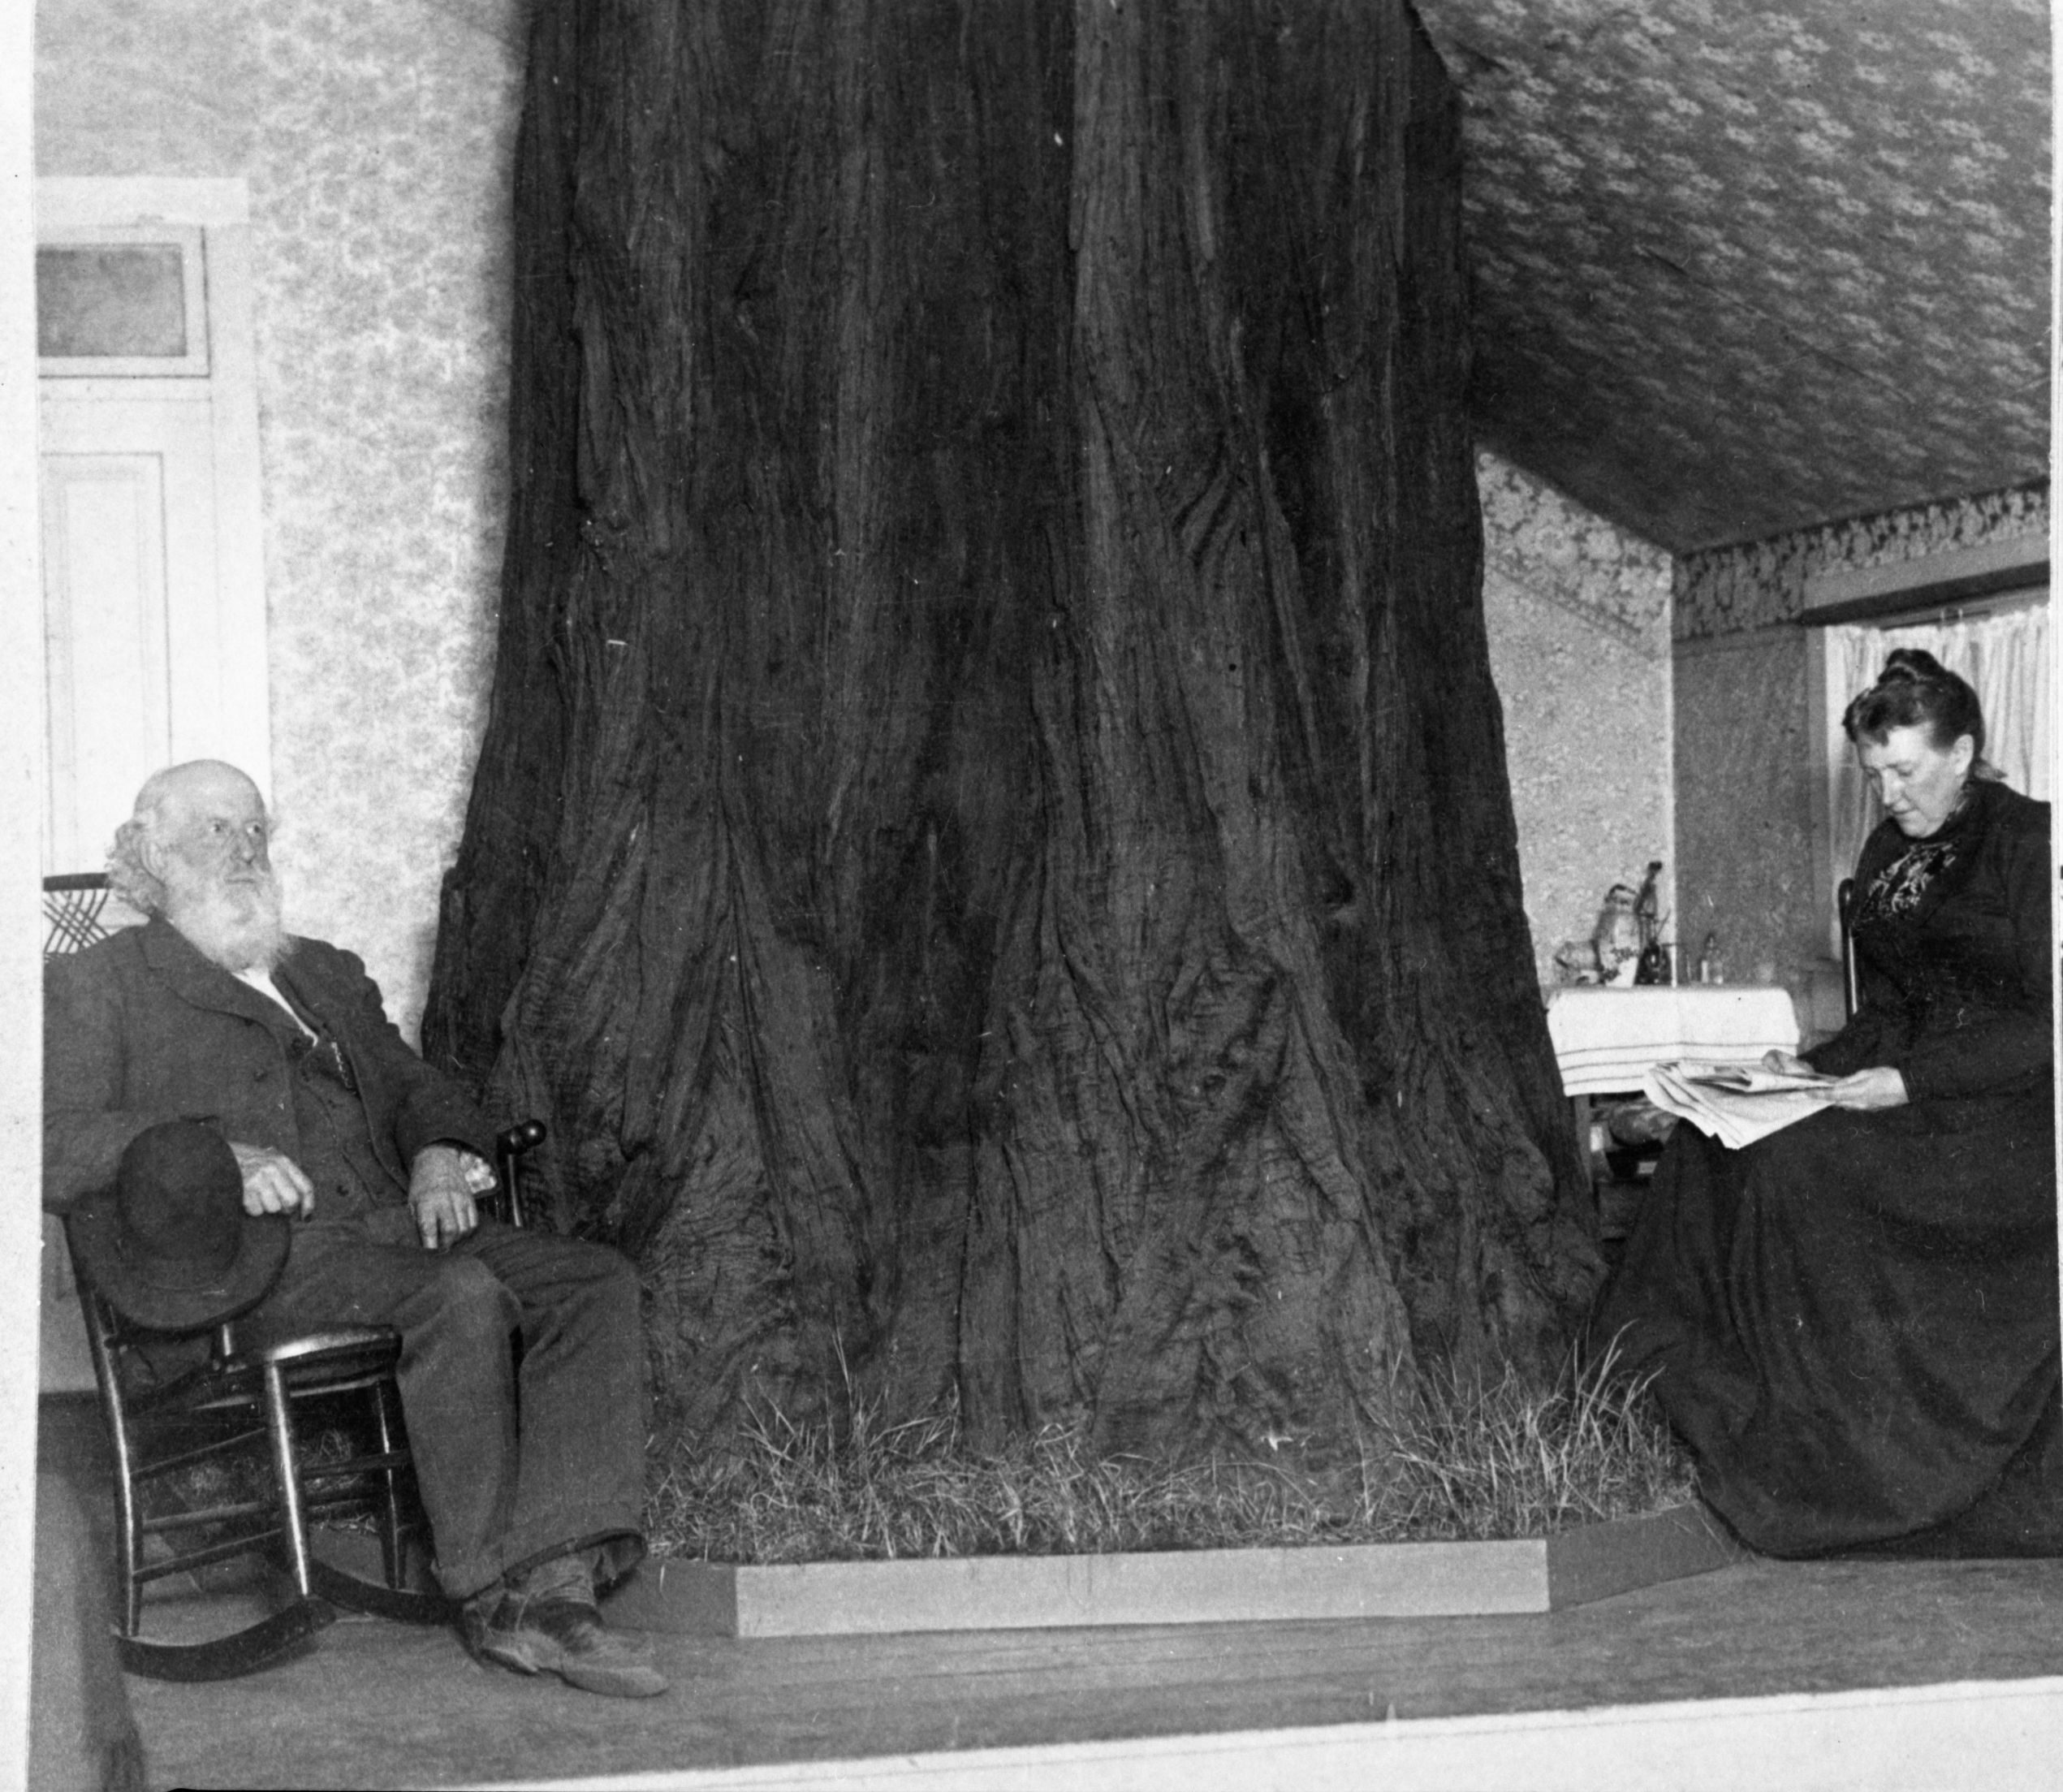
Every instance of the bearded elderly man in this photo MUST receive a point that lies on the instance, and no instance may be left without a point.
(532, 1477)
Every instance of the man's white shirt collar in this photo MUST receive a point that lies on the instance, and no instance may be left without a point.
(260, 980)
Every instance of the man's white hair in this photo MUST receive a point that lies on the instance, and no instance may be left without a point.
(127, 875)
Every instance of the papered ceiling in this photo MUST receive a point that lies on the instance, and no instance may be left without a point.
(1740, 268)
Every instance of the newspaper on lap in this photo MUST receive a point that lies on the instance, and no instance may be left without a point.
(1735, 1104)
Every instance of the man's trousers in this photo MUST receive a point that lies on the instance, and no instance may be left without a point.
(517, 1461)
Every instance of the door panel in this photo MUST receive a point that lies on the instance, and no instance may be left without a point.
(129, 585)
(104, 619)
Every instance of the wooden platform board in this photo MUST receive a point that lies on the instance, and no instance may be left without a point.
(1173, 1586)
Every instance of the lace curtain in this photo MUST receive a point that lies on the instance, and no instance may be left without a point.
(2005, 657)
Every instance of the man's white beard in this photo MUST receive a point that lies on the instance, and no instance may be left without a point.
(236, 925)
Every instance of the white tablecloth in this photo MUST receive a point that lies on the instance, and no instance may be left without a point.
(1606, 1038)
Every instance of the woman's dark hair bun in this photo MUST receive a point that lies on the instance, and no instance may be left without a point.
(1913, 666)
(1914, 689)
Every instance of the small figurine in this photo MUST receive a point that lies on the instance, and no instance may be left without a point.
(1617, 940)
(1654, 966)
(1625, 947)
(1648, 904)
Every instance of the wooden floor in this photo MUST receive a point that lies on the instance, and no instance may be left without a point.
(379, 1705)
(376, 1705)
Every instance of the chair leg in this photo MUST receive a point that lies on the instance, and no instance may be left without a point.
(391, 1558)
(394, 1601)
(286, 1469)
(128, 1518)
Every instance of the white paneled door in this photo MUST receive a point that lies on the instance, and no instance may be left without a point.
(129, 526)
(153, 591)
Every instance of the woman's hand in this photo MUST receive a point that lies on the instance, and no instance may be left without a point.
(1787, 1064)
(1878, 1086)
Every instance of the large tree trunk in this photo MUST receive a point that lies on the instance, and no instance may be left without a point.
(992, 852)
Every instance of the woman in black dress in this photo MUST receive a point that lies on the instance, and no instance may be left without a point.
(1854, 1323)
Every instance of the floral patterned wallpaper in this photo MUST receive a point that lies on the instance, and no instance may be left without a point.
(378, 142)
(1739, 269)
(1577, 613)
(1749, 586)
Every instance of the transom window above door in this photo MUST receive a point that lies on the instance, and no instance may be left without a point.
(116, 302)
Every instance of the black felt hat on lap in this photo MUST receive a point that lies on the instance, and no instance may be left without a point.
(169, 1245)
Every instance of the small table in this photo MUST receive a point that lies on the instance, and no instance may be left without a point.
(1605, 1038)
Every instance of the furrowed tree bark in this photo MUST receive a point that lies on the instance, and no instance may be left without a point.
(992, 851)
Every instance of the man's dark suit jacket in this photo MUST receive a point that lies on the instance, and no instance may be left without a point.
(141, 1028)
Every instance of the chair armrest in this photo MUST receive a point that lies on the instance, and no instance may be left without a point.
(510, 1147)
(521, 1138)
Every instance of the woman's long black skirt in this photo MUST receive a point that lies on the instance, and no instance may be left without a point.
(1854, 1325)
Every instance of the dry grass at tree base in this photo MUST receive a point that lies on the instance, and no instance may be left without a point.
(1474, 1463)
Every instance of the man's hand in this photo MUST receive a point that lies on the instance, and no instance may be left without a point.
(1878, 1086)
(442, 1182)
(273, 1181)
